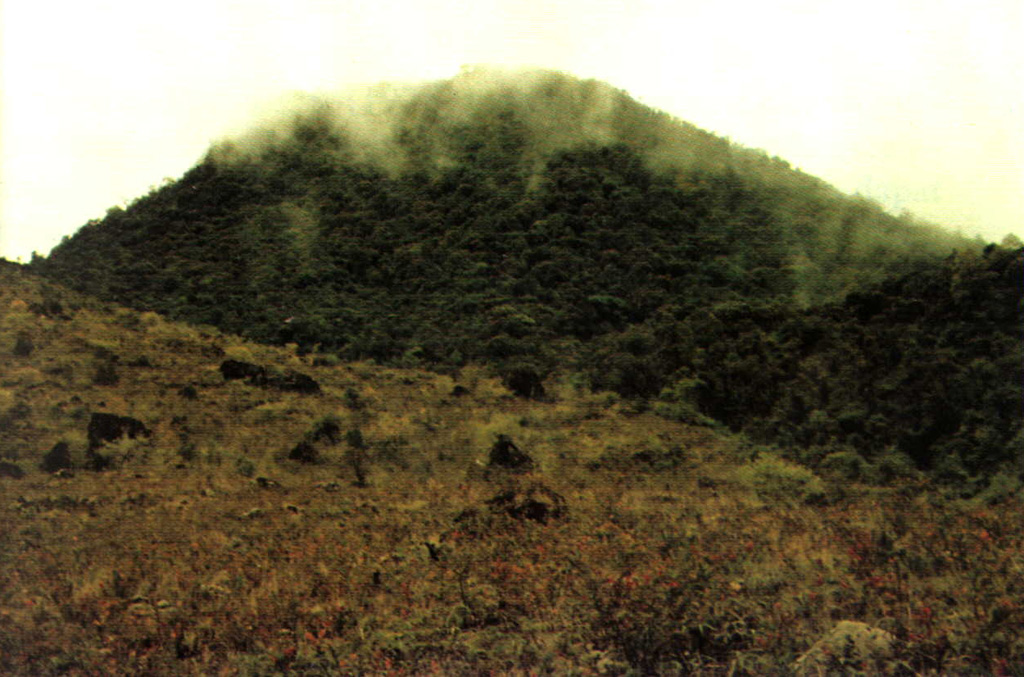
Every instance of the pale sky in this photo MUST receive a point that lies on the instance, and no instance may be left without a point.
(918, 104)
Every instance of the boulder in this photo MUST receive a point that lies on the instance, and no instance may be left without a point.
(295, 382)
(236, 369)
(326, 430)
(505, 454)
(12, 470)
(537, 503)
(304, 452)
(57, 459)
(105, 428)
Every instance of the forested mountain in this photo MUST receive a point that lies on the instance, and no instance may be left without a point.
(536, 220)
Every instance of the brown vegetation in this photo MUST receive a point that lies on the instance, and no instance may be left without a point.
(666, 548)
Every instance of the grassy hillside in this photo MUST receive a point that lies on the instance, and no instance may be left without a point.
(633, 544)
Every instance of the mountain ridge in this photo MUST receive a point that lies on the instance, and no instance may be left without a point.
(540, 223)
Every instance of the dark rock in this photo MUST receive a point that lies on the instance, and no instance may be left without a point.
(537, 503)
(460, 391)
(326, 430)
(259, 376)
(57, 459)
(304, 452)
(267, 483)
(295, 382)
(105, 428)
(505, 454)
(236, 369)
(189, 393)
(12, 470)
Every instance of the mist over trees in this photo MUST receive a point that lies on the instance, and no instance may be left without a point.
(537, 221)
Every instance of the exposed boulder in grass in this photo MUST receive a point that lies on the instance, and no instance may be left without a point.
(304, 452)
(294, 381)
(104, 428)
(267, 483)
(537, 503)
(459, 391)
(259, 376)
(505, 454)
(11, 470)
(236, 369)
(56, 459)
(850, 646)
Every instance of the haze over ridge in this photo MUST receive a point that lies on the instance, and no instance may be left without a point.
(116, 97)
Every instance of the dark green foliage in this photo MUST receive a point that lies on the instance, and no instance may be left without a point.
(327, 429)
(498, 236)
(927, 366)
(524, 380)
(552, 224)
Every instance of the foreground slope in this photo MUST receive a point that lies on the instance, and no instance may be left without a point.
(665, 549)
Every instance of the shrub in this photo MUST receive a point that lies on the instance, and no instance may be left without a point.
(1001, 487)
(776, 479)
(105, 374)
(23, 345)
(847, 465)
(524, 380)
(893, 465)
(678, 402)
(357, 456)
(353, 400)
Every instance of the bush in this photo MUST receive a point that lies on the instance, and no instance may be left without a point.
(358, 457)
(776, 479)
(524, 381)
(678, 402)
(1001, 487)
(846, 465)
(106, 374)
(23, 345)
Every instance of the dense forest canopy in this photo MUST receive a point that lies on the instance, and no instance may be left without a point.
(537, 220)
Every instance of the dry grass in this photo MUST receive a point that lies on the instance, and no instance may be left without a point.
(675, 557)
